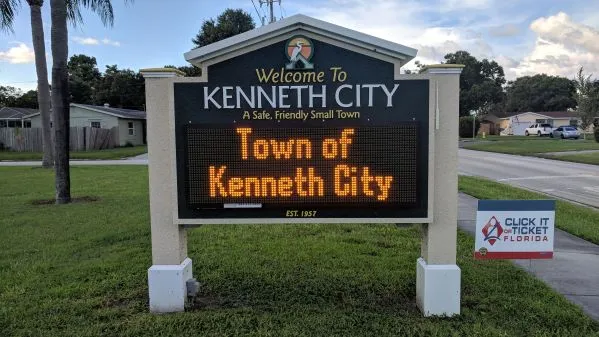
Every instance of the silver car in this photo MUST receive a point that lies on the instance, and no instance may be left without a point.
(564, 132)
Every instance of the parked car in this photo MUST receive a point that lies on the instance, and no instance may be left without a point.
(564, 132)
(539, 130)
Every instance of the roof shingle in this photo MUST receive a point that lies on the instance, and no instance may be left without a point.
(15, 113)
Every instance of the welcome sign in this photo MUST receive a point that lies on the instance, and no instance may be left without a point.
(302, 129)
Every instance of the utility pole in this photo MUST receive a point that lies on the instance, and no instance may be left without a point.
(270, 4)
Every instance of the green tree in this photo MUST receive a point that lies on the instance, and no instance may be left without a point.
(540, 93)
(190, 71)
(231, 22)
(481, 83)
(587, 99)
(83, 77)
(9, 96)
(121, 88)
(28, 100)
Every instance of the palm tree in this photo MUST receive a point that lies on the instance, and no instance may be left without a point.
(7, 13)
(43, 88)
(60, 99)
(60, 12)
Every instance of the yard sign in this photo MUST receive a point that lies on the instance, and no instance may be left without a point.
(515, 229)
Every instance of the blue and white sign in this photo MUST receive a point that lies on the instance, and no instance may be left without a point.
(515, 229)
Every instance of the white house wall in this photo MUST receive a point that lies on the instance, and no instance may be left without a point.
(83, 117)
(124, 137)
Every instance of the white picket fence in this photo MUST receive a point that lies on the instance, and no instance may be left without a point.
(80, 139)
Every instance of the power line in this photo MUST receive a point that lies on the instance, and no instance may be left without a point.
(281, 8)
(4, 83)
(270, 4)
(258, 13)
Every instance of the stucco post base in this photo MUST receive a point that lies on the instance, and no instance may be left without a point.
(438, 288)
(168, 288)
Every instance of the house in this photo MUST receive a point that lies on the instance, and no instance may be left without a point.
(131, 124)
(514, 123)
(13, 117)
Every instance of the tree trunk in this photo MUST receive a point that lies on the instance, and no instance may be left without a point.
(43, 88)
(60, 99)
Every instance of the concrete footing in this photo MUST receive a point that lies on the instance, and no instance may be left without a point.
(438, 288)
(167, 286)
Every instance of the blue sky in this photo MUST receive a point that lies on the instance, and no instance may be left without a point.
(524, 36)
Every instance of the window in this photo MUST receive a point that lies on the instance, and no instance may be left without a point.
(131, 129)
(95, 124)
(27, 124)
(574, 122)
(3, 124)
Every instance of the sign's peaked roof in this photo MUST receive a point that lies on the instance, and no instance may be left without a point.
(200, 55)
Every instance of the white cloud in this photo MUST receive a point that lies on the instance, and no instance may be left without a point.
(451, 5)
(491, 29)
(90, 41)
(18, 55)
(562, 46)
(111, 43)
(504, 30)
(561, 29)
(408, 23)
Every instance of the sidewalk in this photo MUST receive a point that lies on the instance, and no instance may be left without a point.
(573, 271)
(130, 161)
(562, 153)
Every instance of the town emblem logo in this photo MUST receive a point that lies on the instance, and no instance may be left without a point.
(299, 51)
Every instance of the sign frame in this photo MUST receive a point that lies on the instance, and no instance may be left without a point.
(432, 116)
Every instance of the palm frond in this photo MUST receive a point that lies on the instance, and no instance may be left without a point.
(101, 7)
(73, 13)
(8, 11)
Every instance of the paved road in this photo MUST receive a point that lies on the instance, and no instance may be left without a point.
(142, 159)
(566, 180)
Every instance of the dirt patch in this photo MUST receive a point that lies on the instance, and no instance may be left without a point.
(77, 200)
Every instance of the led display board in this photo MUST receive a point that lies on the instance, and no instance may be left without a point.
(302, 129)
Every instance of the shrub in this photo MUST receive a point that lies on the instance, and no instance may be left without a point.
(596, 133)
(128, 144)
(466, 126)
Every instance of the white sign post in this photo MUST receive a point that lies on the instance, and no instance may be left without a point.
(515, 229)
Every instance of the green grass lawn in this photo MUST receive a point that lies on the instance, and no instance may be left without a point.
(81, 270)
(577, 220)
(586, 158)
(530, 145)
(116, 153)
